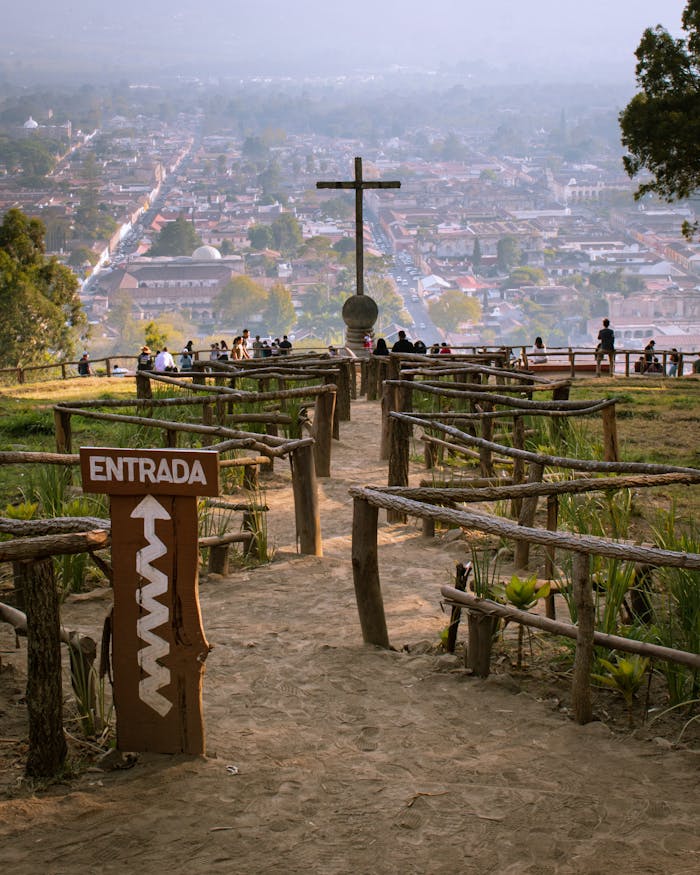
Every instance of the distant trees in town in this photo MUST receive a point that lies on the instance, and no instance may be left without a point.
(279, 315)
(508, 253)
(454, 308)
(41, 317)
(661, 124)
(92, 218)
(34, 158)
(283, 234)
(239, 300)
(176, 238)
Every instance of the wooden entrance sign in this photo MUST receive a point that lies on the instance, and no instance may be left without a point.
(158, 643)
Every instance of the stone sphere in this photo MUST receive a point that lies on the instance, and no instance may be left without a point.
(360, 311)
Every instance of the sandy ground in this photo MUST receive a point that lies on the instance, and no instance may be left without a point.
(350, 759)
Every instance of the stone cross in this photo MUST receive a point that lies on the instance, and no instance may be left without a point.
(359, 184)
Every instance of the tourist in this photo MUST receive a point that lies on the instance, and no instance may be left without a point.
(189, 346)
(214, 352)
(223, 351)
(84, 369)
(285, 345)
(649, 354)
(674, 362)
(381, 348)
(445, 349)
(237, 348)
(275, 347)
(539, 352)
(266, 351)
(367, 343)
(332, 351)
(164, 361)
(435, 349)
(144, 362)
(419, 347)
(186, 360)
(640, 365)
(606, 346)
(403, 344)
(654, 367)
(245, 336)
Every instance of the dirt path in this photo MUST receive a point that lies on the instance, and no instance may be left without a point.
(355, 760)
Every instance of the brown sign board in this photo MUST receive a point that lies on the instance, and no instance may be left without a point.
(158, 643)
(158, 472)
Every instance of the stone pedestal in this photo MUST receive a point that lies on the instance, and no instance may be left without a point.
(359, 314)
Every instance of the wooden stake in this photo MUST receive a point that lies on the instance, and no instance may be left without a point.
(365, 572)
(585, 618)
(527, 515)
(47, 745)
(306, 512)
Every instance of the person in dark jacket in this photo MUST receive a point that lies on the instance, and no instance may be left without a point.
(403, 344)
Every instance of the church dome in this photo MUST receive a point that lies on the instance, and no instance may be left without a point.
(30, 123)
(206, 253)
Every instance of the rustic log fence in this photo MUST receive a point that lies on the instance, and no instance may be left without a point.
(367, 584)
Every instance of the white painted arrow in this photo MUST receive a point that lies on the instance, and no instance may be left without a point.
(155, 675)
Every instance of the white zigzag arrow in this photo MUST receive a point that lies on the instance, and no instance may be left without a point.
(156, 675)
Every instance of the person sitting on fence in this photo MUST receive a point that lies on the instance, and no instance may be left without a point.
(144, 362)
(381, 348)
(654, 367)
(419, 347)
(640, 365)
(539, 352)
(674, 359)
(84, 369)
(435, 349)
(445, 349)
(164, 361)
(223, 351)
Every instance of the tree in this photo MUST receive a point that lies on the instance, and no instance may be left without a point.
(508, 253)
(286, 233)
(176, 238)
(454, 308)
(41, 316)
(239, 299)
(476, 254)
(526, 276)
(661, 124)
(279, 314)
(260, 237)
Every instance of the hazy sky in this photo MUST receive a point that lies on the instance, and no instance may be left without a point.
(556, 37)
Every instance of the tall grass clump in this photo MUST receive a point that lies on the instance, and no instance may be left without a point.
(678, 615)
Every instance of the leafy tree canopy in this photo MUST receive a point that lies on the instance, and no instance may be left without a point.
(454, 308)
(176, 238)
(286, 233)
(239, 299)
(260, 237)
(508, 252)
(41, 316)
(279, 315)
(661, 124)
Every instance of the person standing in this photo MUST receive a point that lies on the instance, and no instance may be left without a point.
(285, 345)
(606, 346)
(674, 359)
(144, 362)
(403, 344)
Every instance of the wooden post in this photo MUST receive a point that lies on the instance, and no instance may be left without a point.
(398, 462)
(273, 431)
(527, 515)
(47, 745)
(572, 363)
(342, 402)
(387, 396)
(518, 463)
(552, 523)
(627, 364)
(64, 374)
(456, 612)
(250, 477)
(679, 373)
(610, 446)
(477, 655)
(108, 367)
(372, 370)
(365, 573)
(207, 419)
(485, 454)
(170, 438)
(143, 385)
(324, 413)
(218, 559)
(585, 620)
(64, 442)
(306, 512)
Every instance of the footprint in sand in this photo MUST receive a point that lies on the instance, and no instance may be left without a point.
(367, 739)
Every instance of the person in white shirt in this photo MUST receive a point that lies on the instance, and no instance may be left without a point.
(164, 361)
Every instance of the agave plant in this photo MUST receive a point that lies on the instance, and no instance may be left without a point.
(625, 676)
(524, 594)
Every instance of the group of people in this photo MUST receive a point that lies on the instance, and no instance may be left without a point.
(241, 348)
(403, 344)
